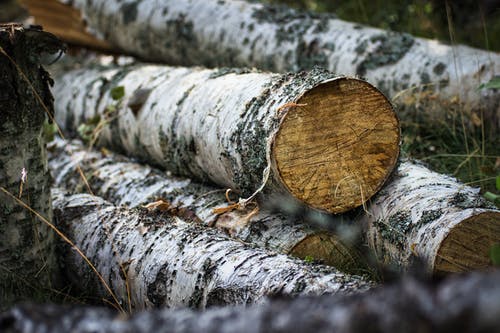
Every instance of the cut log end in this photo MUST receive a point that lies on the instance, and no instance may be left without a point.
(329, 250)
(468, 244)
(335, 149)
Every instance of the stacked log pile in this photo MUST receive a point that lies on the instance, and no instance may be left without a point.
(416, 70)
(330, 142)
(419, 213)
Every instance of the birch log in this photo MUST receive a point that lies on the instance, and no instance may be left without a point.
(156, 259)
(237, 33)
(27, 258)
(446, 223)
(470, 303)
(125, 183)
(419, 213)
(328, 141)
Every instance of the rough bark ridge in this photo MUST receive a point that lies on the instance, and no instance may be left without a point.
(26, 245)
(469, 303)
(168, 262)
(122, 182)
(236, 33)
(332, 149)
(433, 216)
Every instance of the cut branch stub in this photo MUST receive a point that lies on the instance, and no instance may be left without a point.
(328, 141)
(337, 148)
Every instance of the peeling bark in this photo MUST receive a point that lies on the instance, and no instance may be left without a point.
(27, 261)
(327, 141)
(168, 262)
(122, 182)
(469, 303)
(422, 213)
(236, 33)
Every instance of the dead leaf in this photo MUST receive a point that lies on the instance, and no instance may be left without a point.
(161, 205)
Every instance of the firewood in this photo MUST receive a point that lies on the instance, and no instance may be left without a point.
(330, 142)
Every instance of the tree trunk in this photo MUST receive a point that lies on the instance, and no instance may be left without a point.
(123, 182)
(329, 142)
(236, 33)
(446, 223)
(27, 262)
(164, 261)
(469, 303)
(418, 213)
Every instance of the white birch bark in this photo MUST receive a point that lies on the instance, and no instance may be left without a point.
(227, 126)
(171, 263)
(237, 33)
(471, 303)
(125, 183)
(446, 223)
(418, 213)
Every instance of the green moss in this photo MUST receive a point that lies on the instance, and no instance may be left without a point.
(391, 47)
(429, 216)
(396, 228)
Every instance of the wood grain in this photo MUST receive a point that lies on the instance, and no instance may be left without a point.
(65, 22)
(336, 151)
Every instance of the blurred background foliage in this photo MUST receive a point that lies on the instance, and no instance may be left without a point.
(471, 22)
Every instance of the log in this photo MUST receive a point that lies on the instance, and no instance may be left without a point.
(329, 142)
(432, 216)
(418, 213)
(469, 303)
(28, 266)
(156, 259)
(65, 22)
(235, 33)
(123, 182)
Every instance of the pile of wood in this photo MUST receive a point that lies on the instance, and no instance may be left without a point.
(233, 184)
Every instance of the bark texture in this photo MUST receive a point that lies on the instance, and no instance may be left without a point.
(419, 213)
(422, 213)
(122, 182)
(165, 261)
(237, 33)
(469, 303)
(27, 261)
(328, 141)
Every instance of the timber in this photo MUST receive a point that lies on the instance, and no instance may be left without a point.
(28, 265)
(418, 213)
(421, 213)
(153, 259)
(468, 303)
(328, 141)
(65, 22)
(123, 182)
(413, 71)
